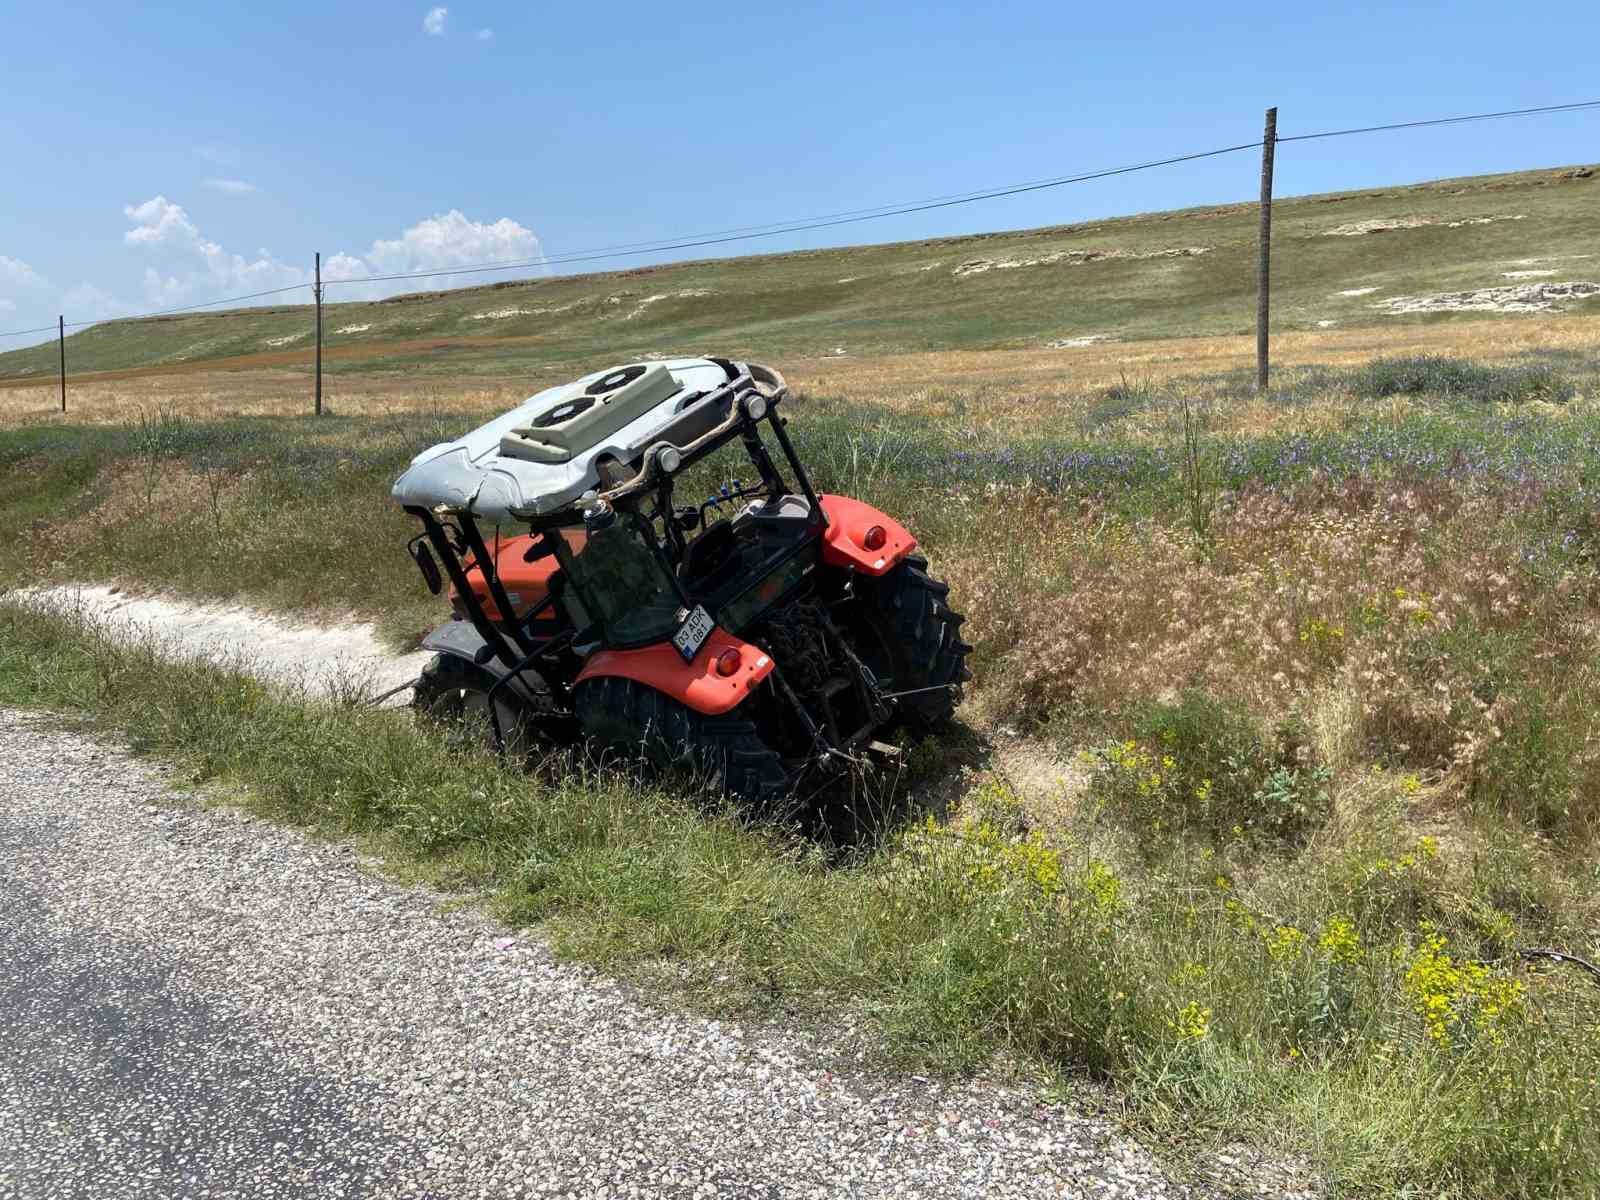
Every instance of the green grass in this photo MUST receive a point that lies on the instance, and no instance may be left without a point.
(1298, 1019)
(893, 298)
(293, 513)
(1340, 762)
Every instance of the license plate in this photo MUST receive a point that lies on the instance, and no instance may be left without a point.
(692, 634)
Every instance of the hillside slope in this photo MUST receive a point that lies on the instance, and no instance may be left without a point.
(1528, 242)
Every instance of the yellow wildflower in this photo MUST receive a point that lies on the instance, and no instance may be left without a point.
(1340, 942)
(1449, 996)
(1193, 1022)
(1102, 885)
(1285, 942)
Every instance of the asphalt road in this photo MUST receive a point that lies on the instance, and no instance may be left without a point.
(197, 1004)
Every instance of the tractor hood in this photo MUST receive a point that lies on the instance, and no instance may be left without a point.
(541, 455)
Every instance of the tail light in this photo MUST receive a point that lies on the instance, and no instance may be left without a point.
(875, 538)
(729, 662)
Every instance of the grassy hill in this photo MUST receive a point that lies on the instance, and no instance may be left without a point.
(1343, 259)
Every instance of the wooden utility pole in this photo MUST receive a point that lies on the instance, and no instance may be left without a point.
(61, 342)
(317, 292)
(1269, 141)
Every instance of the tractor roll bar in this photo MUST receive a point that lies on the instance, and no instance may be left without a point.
(487, 630)
(490, 569)
(770, 384)
(763, 380)
(646, 475)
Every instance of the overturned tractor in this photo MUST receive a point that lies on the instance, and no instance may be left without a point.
(767, 636)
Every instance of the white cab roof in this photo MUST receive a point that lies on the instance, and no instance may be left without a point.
(473, 474)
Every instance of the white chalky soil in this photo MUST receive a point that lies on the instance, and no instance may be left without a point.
(319, 658)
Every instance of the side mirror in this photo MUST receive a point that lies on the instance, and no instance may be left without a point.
(423, 557)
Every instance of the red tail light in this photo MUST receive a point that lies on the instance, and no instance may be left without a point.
(875, 538)
(729, 662)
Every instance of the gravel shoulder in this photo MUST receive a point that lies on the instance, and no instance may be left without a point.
(194, 1002)
(320, 658)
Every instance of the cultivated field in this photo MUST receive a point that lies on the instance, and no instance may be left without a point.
(1279, 757)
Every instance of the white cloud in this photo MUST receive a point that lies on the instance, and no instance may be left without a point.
(34, 296)
(433, 23)
(485, 35)
(89, 303)
(186, 267)
(231, 187)
(190, 263)
(452, 240)
(17, 273)
(158, 221)
(21, 287)
(181, 266)
(344, 266)
(165, 291)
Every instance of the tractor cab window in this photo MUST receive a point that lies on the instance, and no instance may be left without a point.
(621, 580)
(747, 520)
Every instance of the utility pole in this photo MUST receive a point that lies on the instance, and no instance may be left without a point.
(1269, 141)
(317, 292)
(61, 341)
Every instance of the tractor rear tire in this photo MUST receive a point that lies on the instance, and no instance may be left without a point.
(632, 720)
(454, 694)
(918, 638)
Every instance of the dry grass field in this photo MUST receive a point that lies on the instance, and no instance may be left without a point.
(1413, 257)
(1009, 389)
(1280, 755)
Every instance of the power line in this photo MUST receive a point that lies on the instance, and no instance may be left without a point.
(830, 220)
(24, 332)
(717, 237)
(1493, 116)
(741, 233)
(162, 312)
(826, 223)
(901, 210)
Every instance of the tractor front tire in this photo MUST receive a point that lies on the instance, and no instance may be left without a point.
(627, 719)
(454, 695)
(915, 636)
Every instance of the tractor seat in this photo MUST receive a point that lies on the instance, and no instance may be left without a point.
(781, 511)
(709, 555)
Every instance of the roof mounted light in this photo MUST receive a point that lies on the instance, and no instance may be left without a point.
(755, 407)
(668, 459)
(597, 512)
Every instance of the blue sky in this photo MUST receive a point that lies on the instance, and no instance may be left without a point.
(165, 155)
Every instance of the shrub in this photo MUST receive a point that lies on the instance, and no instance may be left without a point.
(1200, 766)
(1456, 378)
(1529, 766)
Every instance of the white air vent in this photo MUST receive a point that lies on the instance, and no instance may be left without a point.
(581, 415)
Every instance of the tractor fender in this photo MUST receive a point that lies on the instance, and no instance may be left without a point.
(843, 542)
(696, 684)
(459, 639)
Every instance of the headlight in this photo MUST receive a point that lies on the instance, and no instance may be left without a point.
(755, 407)
(668, 459)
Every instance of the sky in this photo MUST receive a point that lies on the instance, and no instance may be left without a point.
(174, 154)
